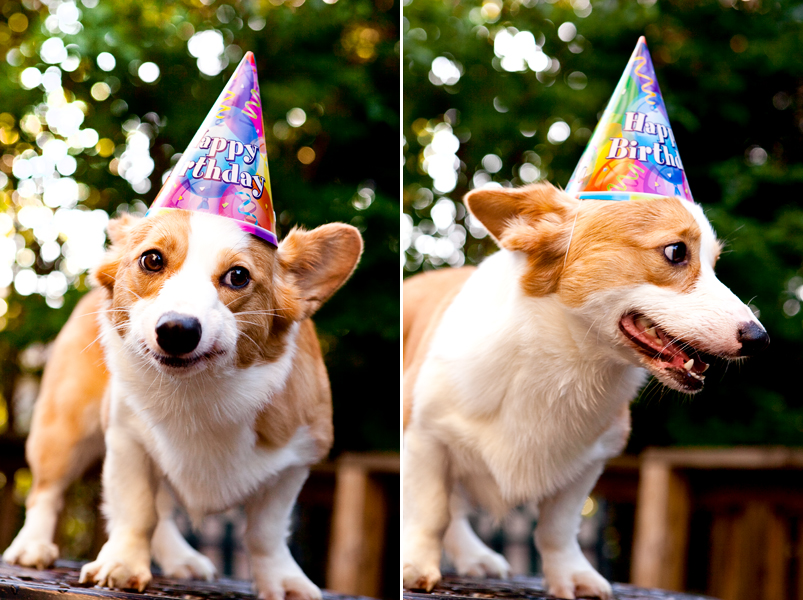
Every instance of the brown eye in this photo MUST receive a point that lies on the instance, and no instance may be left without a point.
(237, 277)
(151, 261)
(675, 253)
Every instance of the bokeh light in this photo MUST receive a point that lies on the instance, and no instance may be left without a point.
(519, 50)
(148, 72)
(558, 132)
(208, 47)
(106, 61)
(445, 71)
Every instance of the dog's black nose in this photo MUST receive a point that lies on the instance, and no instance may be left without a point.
(178, 334)
(753, 338)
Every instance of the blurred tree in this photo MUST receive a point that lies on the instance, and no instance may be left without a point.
(509, 91)
(101, 97)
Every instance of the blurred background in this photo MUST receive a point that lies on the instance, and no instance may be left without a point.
(508, 92)
(99, 99)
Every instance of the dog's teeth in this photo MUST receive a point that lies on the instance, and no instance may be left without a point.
(689, 364)
(650, 331)
(705, 368)
(644, 322)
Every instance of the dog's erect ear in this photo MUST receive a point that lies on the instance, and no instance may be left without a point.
(535, 219)
(105, 273)
(502, 209)
(319, 261)
(120, 227)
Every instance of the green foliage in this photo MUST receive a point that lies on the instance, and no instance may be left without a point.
(732, 79)
(338, 61)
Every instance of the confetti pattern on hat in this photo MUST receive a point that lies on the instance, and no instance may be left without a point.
(632, 154)
(224, 170)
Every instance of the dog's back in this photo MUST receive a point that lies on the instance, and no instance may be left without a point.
(426, 297)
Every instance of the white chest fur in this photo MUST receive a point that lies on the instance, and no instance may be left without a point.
(200, 430)
(518, 388)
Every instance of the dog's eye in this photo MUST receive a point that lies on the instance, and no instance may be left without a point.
(237, 277)
(152, 261)
(676, 253)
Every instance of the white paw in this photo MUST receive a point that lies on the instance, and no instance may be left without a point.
(117, 573)
(419, 577)
(31, 553)
(278, 577)
(286, 586)
(579, 584)
(484, 563)
(192, 565)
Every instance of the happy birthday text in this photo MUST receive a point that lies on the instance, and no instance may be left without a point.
(637, 122)
(206, 166)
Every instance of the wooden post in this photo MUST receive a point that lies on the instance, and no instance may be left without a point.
(358, 524)
(662, 527)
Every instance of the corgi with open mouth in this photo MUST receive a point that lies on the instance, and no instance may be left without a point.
(518, 374)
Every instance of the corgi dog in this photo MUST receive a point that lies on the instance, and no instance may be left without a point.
(518, 374)
(195, 365)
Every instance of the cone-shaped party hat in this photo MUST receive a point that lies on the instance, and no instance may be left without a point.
(632, 154)
(224, 170)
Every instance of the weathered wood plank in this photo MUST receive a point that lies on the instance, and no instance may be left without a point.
(62, 582)
(464, 588)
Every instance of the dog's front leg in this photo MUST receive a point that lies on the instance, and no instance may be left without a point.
(276, 573)
(426, 508)
(568, 572)
(468, 552)
(129, 492)
(169, 548)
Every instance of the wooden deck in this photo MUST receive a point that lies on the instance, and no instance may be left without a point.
(62, 582)
(464, 588)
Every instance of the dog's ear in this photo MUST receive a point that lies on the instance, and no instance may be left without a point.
(105, 274)
(534, 219)
(318, 262)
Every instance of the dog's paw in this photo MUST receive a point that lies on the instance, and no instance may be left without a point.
(189, 565)
(31, 553)
(116, 573)
(579, 584)
(290, 586)
(417, 577)
(484, 563)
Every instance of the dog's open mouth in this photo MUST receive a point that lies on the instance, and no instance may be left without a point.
(672, 360)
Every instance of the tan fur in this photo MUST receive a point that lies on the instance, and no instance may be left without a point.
(119, 272)
(67, 413)
(576, 248)
(307, 399)
(425, 297)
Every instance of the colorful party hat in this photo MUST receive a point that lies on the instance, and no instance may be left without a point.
(224, 170)
(632, 154)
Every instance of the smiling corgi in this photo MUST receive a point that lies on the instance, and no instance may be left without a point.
(210, 387)
(518, 374)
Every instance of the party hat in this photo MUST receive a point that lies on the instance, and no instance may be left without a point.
(224, 170)
(632, 154)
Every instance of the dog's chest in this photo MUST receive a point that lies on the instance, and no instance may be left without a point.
(214, 470)
(201, 433)
(519, 394)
